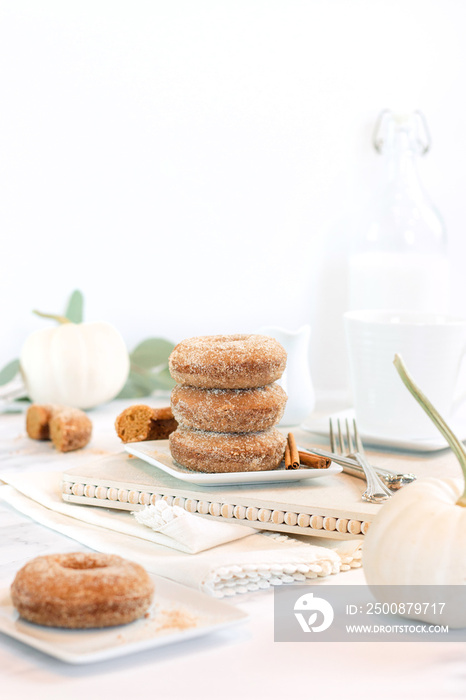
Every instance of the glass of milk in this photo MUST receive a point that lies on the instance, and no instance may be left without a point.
(433, 347)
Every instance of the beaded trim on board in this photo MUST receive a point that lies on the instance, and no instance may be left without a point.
(220, 510)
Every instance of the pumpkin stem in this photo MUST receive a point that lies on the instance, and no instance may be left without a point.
(56, 317)
(456, 445)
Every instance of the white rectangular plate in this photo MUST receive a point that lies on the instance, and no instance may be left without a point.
(159, 456)
(178, 613)
(415, 444)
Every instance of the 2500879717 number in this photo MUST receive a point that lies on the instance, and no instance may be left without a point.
(403, 608)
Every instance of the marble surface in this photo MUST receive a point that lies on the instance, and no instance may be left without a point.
(243, 662)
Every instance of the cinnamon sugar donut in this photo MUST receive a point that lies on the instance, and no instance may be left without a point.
(227, 361)
(228, 410)
(80, 590)
(68, 428)
(227, 452)
(140, 422)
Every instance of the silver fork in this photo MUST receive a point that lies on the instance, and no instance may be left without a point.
(393, 480)
(376, 491)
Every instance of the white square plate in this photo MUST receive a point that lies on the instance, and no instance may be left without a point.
(433, 444)
(177, 614)
(157, 453)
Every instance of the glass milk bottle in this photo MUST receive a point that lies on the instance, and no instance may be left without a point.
(398, 257)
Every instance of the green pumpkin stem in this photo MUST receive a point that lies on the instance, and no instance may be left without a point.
(456, 445)
(55, 317)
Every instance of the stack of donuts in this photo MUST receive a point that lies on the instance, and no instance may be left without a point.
(227, 404)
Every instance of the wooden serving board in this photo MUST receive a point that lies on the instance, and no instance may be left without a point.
(328, 507)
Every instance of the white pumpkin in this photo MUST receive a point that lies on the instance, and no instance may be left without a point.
(419, 536)
(80, 365)
(419, 539)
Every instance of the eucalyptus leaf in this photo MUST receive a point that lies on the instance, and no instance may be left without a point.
(132, 390)
(142, 382)
(74, 310)
(152, 352)
(165, 379)
(145, 378)
(149, 369)
(9, 372)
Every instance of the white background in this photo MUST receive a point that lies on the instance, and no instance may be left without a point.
(197, 167)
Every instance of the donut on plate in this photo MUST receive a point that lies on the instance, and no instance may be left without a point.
(80, 590)
(227, 361)
(228, 410)
(227, 452)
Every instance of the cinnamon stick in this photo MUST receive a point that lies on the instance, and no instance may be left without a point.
(314, 461)
(288, 463)
(293, 451)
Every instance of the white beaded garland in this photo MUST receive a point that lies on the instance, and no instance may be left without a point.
(316, 522)
(227, 510)
(239, 512)
(304, 520)
(365, 527)
(342, 525)
(101, 493)
(354, 527)
(291, 519)
(278, 516)
(203, 507)
(89, 491)
(191, 505)
(78, 490)
(251, 513)
(264, 515)
(215, 509)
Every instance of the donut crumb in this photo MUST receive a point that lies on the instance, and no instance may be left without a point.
(176, 619)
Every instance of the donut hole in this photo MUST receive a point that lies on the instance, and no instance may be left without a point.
(73, 562)
(84, 565)
(230, 338)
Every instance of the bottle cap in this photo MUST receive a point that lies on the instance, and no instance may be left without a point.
(414, 123)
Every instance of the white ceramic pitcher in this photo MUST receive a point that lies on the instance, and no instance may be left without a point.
(296, 380)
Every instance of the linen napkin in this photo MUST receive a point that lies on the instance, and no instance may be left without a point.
(180, 526)
(175, 527)
(250, 563)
